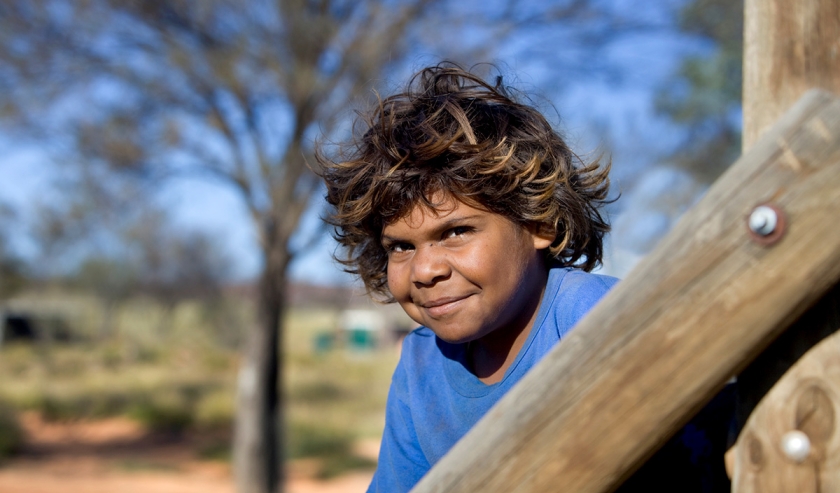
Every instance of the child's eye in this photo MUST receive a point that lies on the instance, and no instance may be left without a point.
(457, 231)
(398, 247)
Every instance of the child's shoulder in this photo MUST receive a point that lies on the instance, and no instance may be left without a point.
(421, 359)
(572, 293)
(576, 282)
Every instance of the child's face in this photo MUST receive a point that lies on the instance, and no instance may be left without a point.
(464, 272)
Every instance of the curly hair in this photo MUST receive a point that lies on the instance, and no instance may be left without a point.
(452, 132)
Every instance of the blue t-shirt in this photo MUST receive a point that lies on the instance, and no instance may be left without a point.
(434, 398)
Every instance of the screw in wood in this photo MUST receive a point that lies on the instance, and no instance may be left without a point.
(766, 224)
(763, 220)
(796, 445)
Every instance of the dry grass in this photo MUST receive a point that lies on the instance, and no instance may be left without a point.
(175, 373)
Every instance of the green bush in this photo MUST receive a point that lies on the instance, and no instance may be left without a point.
(316, 392)
(332, 446)
(337, 465)
(215, 446)
(166, 413)
(315, 441)
(215, 410)
(11, 434)
(82, 405)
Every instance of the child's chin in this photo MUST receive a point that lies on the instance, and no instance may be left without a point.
(454, 338)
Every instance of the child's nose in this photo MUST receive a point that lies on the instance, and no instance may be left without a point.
(429, 265)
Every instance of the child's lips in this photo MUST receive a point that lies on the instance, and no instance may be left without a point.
(443, 306)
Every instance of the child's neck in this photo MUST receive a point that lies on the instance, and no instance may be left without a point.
(491, 356)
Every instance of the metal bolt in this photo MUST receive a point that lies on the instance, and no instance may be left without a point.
(796, 445)
(763, 220)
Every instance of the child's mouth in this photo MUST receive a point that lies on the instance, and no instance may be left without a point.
(443, 306)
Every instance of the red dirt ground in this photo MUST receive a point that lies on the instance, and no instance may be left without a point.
(117, 456)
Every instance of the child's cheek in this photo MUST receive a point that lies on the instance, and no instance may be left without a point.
(395, 286)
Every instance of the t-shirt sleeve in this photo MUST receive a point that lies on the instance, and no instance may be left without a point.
(401, 461)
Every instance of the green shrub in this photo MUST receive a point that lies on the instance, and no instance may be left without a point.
(337, 465)
(147, 354)
(215, 447)
(215, 410)
(316, 441)
(332, 446)
(166, 413)
(88, 404)
(316, 392)
(111, 356)
(11, 434)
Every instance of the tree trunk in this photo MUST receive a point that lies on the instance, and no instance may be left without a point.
(258, 449)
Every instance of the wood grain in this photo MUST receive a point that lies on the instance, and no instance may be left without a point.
(807, 399)
(790, 46)
(665, 339)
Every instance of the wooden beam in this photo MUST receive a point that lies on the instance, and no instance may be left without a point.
(667, 338)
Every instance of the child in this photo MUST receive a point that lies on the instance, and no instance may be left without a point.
(466, 208)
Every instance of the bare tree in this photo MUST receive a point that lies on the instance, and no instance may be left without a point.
(12, 268)
(704, 96)
(174, 265)
(154, 89)
(111, 281)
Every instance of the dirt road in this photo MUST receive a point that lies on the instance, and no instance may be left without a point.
(117, 456)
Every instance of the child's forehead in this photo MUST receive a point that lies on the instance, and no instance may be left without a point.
(440, 206)
(435, 204)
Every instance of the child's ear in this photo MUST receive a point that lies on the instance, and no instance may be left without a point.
(543, 236)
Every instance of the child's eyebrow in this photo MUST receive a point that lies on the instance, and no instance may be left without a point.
(439, 228)
(455, 220)
(387, 240)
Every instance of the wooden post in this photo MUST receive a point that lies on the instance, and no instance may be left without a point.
(702, 305)
(789, 47)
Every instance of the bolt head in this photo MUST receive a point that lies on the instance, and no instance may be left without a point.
(763, 220)
(796, 445)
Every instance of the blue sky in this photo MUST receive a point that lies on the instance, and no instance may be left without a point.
(613, 111)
